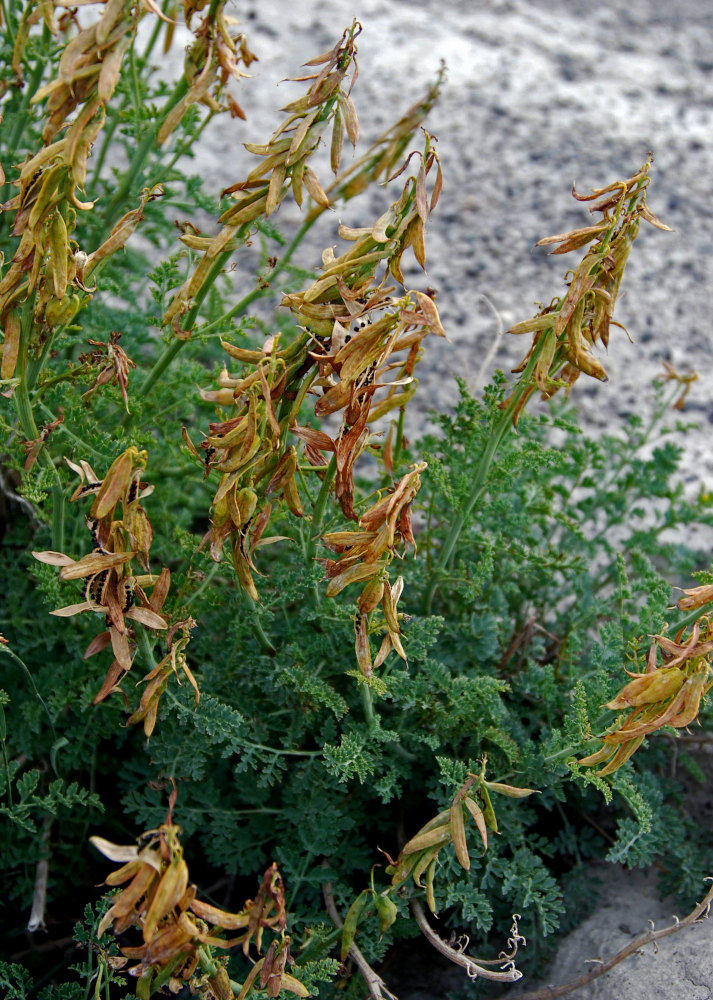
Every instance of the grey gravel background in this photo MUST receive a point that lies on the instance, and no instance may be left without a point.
(538, 94)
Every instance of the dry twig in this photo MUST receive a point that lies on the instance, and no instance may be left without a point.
(474, 969)
(702, 909)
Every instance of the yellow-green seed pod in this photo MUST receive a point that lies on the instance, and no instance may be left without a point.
(351, 921)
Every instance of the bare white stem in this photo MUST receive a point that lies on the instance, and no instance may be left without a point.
(479, 379)
(39, 896)
(472, 967)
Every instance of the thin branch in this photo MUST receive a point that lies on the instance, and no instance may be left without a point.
(701, 910)
(473, 968)
(479, 379)
(39, 896)
(377, 987)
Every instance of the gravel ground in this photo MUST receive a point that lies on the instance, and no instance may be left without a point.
(538, 95)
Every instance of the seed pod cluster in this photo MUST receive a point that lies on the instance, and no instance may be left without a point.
(283, 166)
(211, 61)
(566, 330)
(669, 695)
(418, 857)
(120, 532)
(352, 331)
(47, 261)
(176, 926)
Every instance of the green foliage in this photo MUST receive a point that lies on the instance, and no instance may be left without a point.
(545, 563)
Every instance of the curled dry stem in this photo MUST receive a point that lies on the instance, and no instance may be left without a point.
(474, 969)
(377, 988)
(650, 936)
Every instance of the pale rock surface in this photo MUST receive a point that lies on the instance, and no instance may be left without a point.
(539, 93)
(678, 967)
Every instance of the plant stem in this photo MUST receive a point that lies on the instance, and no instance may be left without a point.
(26, 417)
(239, 308)
(133, 173)
(146, 647)
(320, 507)
(175, 346)
(498, 431)
(368, 704)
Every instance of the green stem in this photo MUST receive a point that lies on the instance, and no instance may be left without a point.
(368, 704)
(133, 174)
(261, 633)
(146, 54)
(26, 670)
(108, 136)
(146, 647)
(398, 445)
(687, 620)
(320, 507)
(500, 428)
(239, 308)
(204, 585)
(81, 442)
(176, 345)
(26, 417)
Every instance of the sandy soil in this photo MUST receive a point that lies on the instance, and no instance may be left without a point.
(538, 95)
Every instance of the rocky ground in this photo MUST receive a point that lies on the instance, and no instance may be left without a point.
(538, 95)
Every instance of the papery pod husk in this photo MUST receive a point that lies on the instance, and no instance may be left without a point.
(354, 574)
(488, 811)
(648, 688)
(422, 861)
(623, 753)
(11, 347)
(694, 689)
(457, 831)
(45, 196)
(169, 891)
(438, 835)
(386, 910)
(477, 813)
(114, 485)
(242, 570)
(58, 253)
(362, 646)
(510, 791)
(371, 595)
(219, 918)
(430, 895)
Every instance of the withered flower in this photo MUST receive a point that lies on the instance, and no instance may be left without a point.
(33, 448)
(113, 364)
(685, 382)
(696, 597)
(669, 695)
